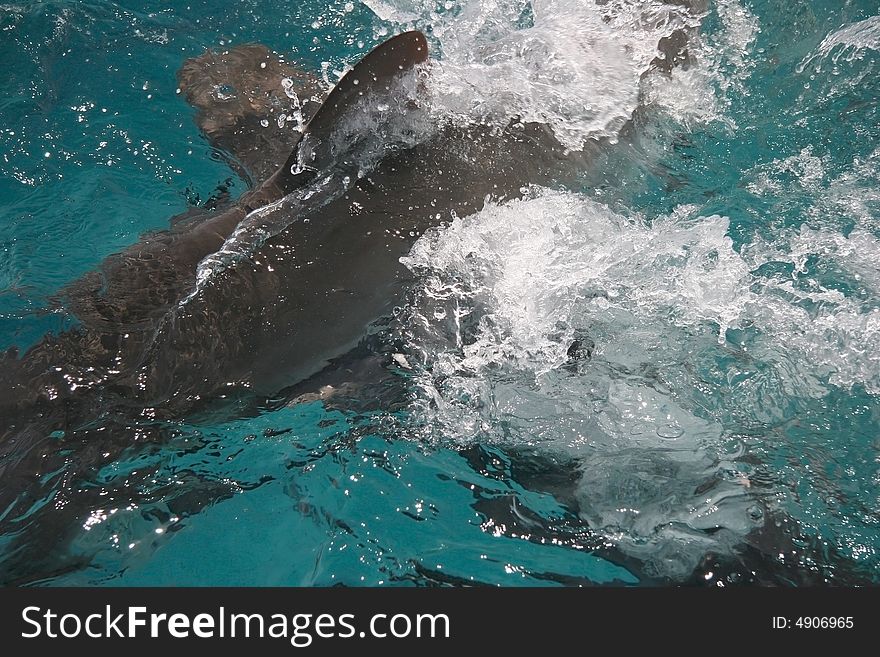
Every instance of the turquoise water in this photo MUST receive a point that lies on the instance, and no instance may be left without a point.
(772, 146)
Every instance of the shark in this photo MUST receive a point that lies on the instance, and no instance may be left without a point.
(270, 296)
(337, 255)
(180, 323)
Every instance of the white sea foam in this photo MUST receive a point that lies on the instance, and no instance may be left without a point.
(576, 66)
(510, 288)
(826, 312)
(508, 291)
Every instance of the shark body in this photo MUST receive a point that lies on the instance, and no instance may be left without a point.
(155, 342)
(158, 341)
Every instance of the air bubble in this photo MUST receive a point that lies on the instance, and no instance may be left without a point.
(670, 431)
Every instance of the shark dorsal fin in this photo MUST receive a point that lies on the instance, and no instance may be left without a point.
(372, 73)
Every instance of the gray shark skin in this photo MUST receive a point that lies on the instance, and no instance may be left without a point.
(122, 304)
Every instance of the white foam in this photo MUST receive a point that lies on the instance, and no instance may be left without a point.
(397, 11)
(532, 274)
(508, 290)
(806, 169)
(732, 43)
(855, 193)
(830, 328)
(576, 66)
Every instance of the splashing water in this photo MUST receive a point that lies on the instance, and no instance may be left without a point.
(849, 41)
(571, 65)
(610, 382)
(531, 277)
